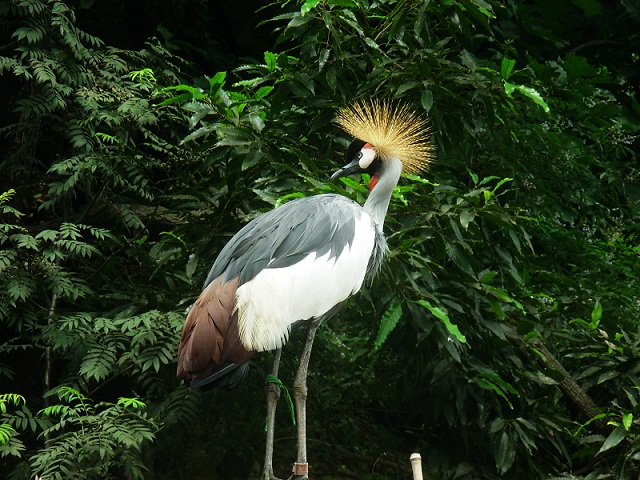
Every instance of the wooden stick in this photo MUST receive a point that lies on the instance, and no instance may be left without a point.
(416, 466)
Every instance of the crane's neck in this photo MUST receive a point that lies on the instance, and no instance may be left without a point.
(378, 201)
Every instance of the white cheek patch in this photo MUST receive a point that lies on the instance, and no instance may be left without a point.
(366, 157)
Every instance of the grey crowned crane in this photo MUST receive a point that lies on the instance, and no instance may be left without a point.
(298, 264)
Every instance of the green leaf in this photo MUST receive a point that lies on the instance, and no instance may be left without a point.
(6, 432)
(131, 403)
(200, 132)
(507, 67)
(596, 315)
(589, 7)
(515, 240)
(488, 382)
(588, 422)
(349, 17)
(25, 241)
(307, 6)
(619, 434)
(271, 60)
(474, 177)
(388, 322)
(6, 196)
(256, 122)
(444, 318)
(627, 420)
(191, 93)
(372, 43)
(350, 182)
(288, 197)
(343, 3)
(427, 100)
(251, 159)
(485, 8)
(216, 83)
(11, 398)
(487, 275)
(466, 217)
(501, 182)
(192, 263)
(263, 92)
(468, 60)
(528, 92)
(182, 98)
(505, 454)
(18, 291)
(456, 254)
(144, 75)
(405, 86)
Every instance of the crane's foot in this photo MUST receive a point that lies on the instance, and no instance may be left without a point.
(268, 475)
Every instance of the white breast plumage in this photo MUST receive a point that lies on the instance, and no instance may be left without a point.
(276, 298)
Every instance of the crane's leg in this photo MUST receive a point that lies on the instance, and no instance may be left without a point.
(301, 467)
(273, 394)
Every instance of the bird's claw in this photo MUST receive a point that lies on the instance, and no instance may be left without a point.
(270, 476)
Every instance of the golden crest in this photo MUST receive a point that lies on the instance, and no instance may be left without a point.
(392, 130)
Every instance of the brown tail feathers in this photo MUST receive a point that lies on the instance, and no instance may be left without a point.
(210, 336)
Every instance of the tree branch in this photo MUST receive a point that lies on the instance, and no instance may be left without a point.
(568, 384)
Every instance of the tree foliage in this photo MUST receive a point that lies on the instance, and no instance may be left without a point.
(501, 337)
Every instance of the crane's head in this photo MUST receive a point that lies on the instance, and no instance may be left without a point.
(384, 133)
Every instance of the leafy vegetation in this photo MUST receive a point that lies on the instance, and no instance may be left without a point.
(500, 339)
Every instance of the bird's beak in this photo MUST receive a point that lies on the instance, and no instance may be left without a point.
(349, 169)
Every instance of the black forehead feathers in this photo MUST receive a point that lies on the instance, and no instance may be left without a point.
(353, 148)
(375, 165)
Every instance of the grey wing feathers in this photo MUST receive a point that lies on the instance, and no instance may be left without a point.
(286, 235)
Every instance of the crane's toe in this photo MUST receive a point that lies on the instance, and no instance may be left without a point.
(268, 475)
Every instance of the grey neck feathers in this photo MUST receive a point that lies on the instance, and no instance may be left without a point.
(378, 201)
